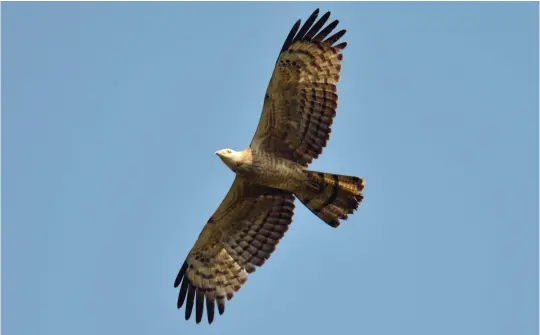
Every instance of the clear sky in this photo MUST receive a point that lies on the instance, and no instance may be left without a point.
(112, 113)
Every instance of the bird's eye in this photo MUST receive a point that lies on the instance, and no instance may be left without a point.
(229, 151)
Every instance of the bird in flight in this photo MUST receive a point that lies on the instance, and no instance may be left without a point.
(298, 111)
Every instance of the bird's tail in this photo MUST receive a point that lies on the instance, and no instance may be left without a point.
(330, 196)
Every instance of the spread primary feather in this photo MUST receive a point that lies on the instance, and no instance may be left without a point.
(295, 124)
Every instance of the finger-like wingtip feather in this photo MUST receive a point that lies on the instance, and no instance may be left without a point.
(318, 25)
(327, 30)
(306, 26)
(341, 46)
(290, 37)
(180, 274)
(199, 305)
(189, 301)
(334, 38)
(183, 292)
(221, 306)
(210, 308)
(311, 31)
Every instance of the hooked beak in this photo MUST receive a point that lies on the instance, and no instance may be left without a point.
(217, 153)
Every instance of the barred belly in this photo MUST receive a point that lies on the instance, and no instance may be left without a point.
(269, 170)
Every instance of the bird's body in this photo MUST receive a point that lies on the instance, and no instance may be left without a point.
(299, 107)
(264, 168)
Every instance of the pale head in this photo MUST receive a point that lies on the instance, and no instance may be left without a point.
(231, 158)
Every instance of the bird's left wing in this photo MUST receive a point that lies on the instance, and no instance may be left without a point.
(242, 234)
(301, 98)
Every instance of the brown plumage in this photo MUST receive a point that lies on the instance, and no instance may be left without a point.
(299, 107)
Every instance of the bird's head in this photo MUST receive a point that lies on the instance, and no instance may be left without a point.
(231, 158)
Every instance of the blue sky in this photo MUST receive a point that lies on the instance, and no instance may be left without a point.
(112, 113)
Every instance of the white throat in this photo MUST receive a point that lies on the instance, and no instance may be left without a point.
(230, 157)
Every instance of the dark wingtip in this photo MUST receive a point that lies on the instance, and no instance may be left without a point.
(183, 292)
(180, 274)
(312, 30)
(316, 27)
(333, 223)
(199, 305)
(325, 17)
(334, 38)
(341, 45)
(306, 26)
(210, 309)
(326, 31)
(221, 306)
(189, 301)
(290, 37)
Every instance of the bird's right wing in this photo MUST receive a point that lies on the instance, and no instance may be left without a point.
(242, 234)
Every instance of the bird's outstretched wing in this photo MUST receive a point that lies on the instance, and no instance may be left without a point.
(242, 234)
(301, 98)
